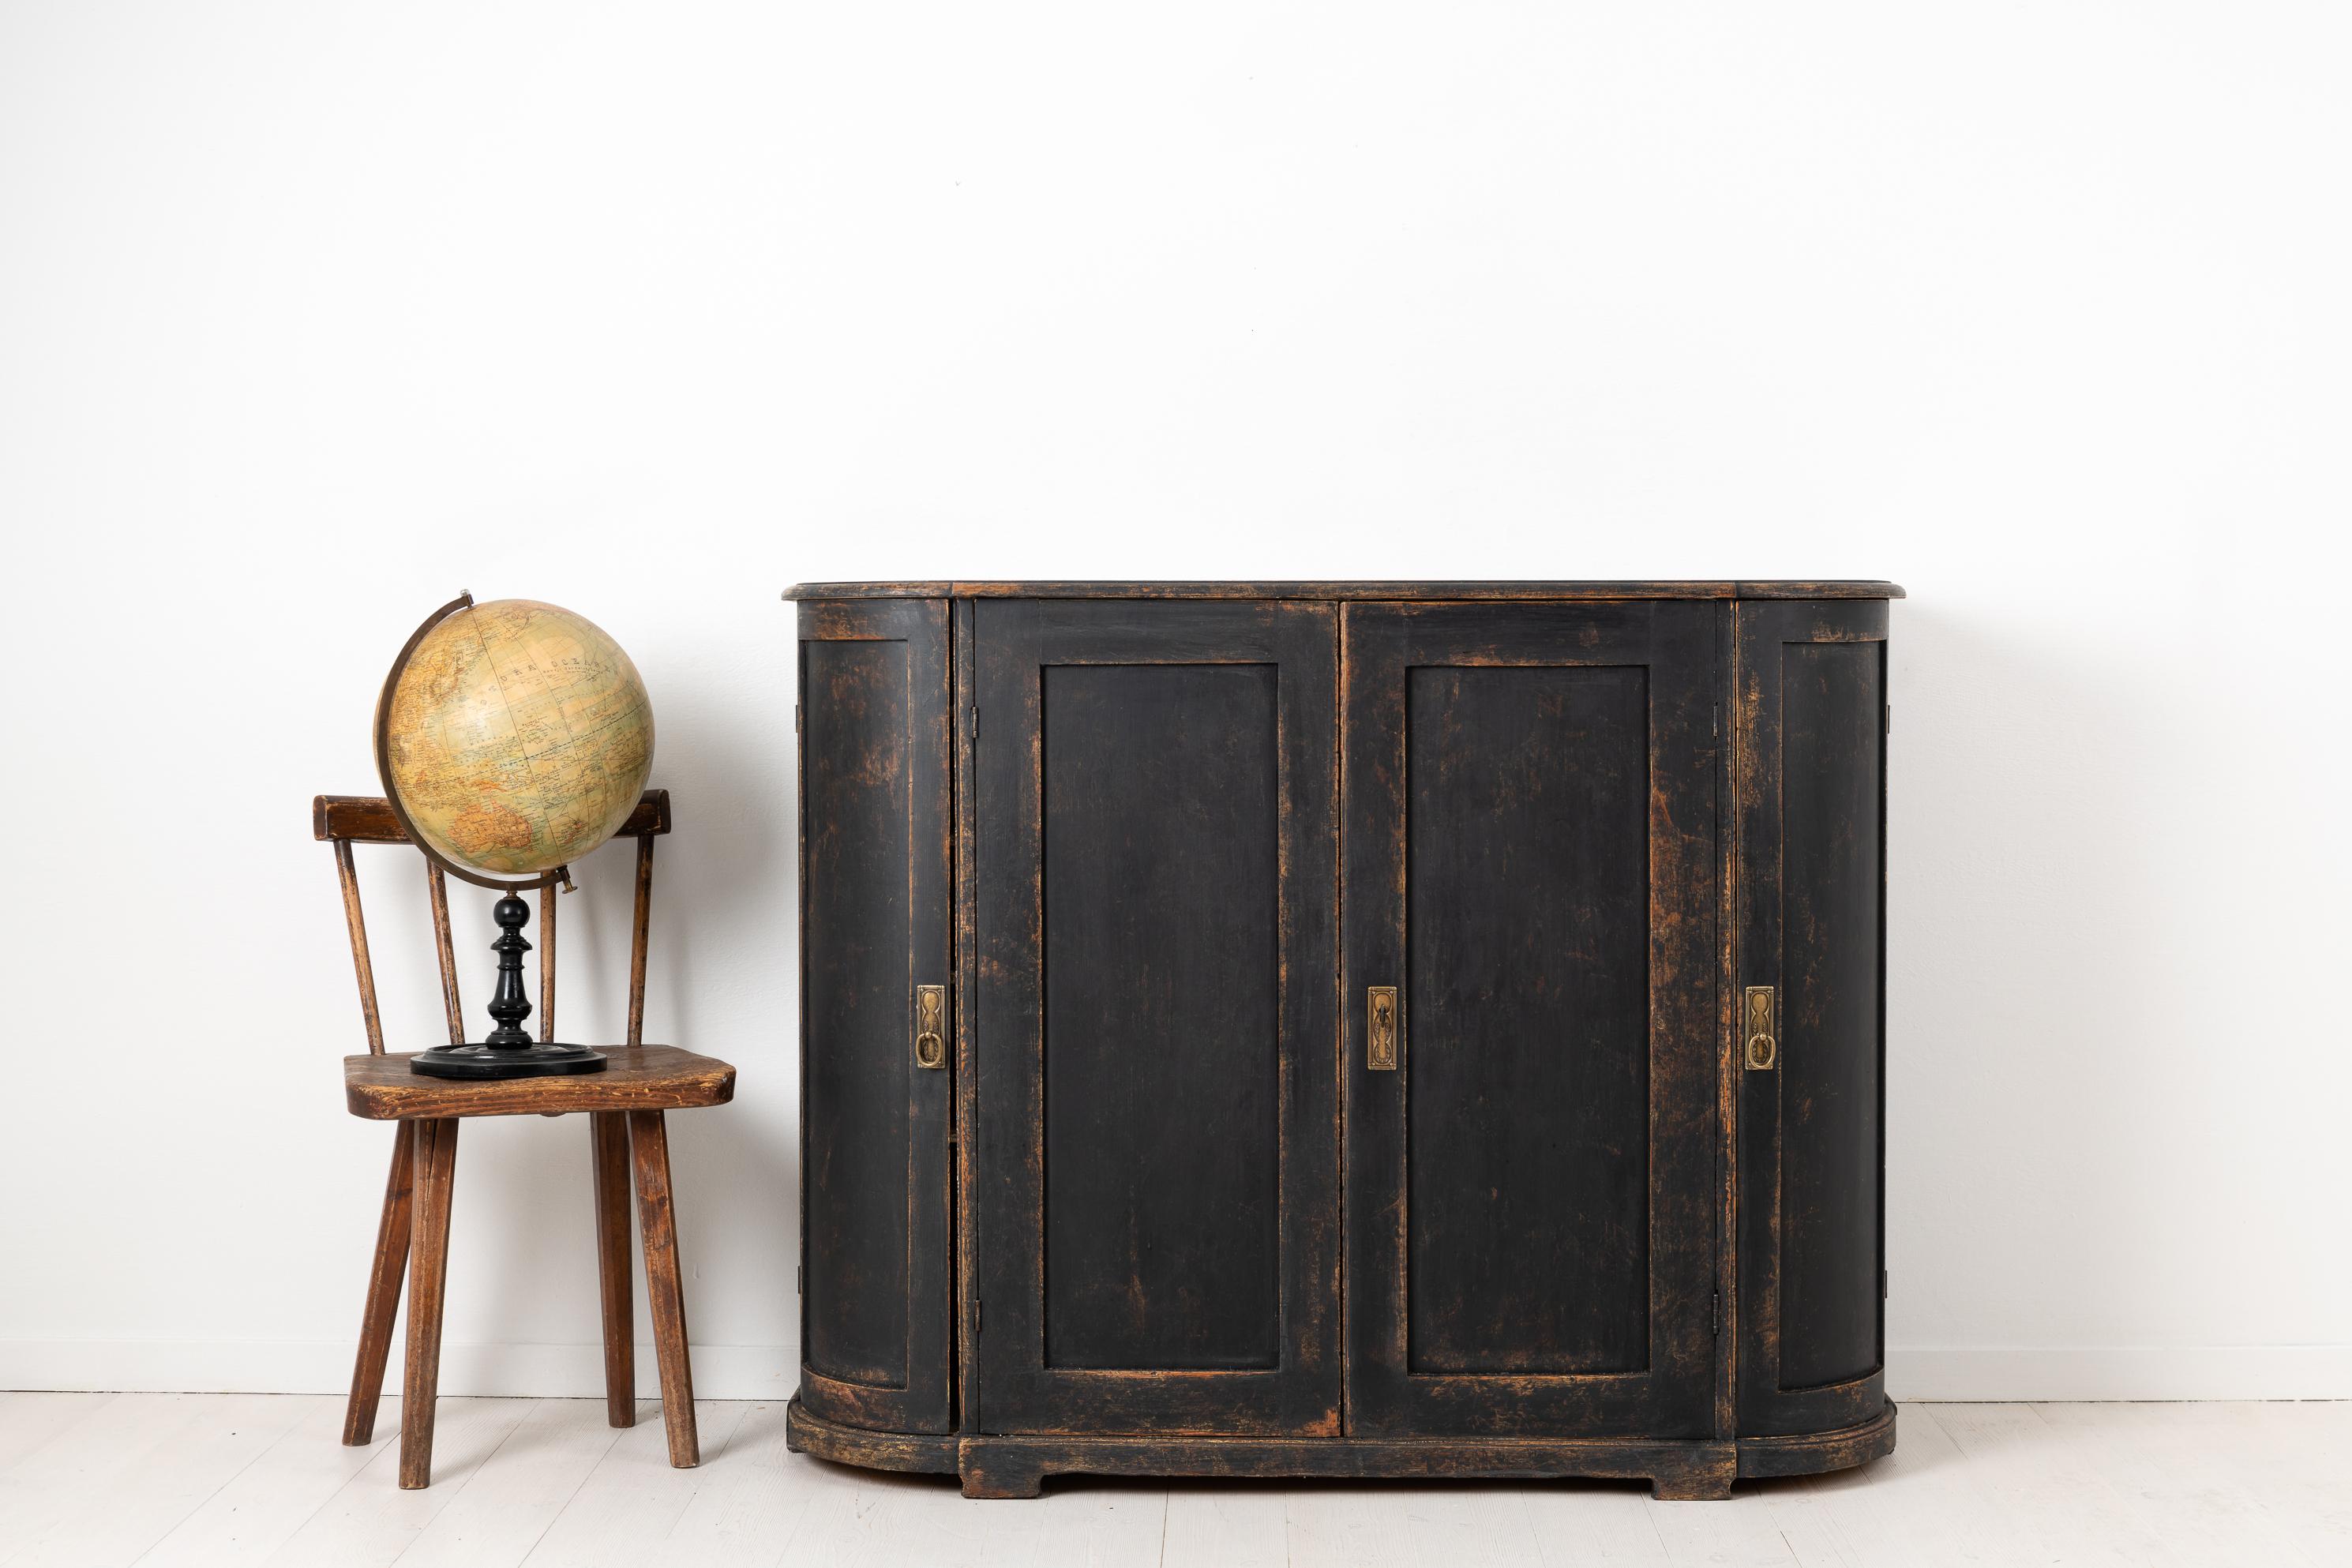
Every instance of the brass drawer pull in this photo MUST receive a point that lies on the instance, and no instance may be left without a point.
(1380, 1028)
(931, 1019)
(1763, 1050)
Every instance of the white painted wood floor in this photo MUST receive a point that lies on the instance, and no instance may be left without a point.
(157, 1478)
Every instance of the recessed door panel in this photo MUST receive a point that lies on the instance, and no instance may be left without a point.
(1163, 1018)
(1158, 1127)
(1811, 759)
(1530, 816)
(874, 918)
(1527, 996)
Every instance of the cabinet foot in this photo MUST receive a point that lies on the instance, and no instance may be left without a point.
(1704, 1486)
(999, 1476)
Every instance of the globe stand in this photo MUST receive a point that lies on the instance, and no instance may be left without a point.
(507, 1052)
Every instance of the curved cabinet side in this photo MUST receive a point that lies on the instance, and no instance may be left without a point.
(1810, 806)
(875, 865)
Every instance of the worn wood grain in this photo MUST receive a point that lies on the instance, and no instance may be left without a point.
(665, 1283)
(436, 887)
(1813, 1453)
(1190, 1053)
(1809, 730)
(362, 963)
(652, 1078)
(1530, 838)
(964, 1134)
(385, 1272)
(1527, 987)
(367, 819)
(1731, 877)
(1831, 784)
(414, 1225)
(428, 1279)
(1546, 798)
(1162, 1002)
(641, 923)
(857, 965)
(608, 1159)
(1016, 1465)
(877, 856)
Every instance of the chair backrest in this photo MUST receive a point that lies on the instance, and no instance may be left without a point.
(343, 820)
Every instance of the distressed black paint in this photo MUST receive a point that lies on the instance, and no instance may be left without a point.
(1162, 1016)
(1156, 1169)
(876, 858)
(1559, 750)
(1572, 813)
(1808, 736)
(1832, 703)
(1528, 1010)
(860, 940)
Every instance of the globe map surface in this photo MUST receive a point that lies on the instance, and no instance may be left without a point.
(519, 737)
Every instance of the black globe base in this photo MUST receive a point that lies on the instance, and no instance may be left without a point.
(509, 1052)
(506, 1061)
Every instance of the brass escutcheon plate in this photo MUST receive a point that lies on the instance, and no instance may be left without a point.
(931, 1025)
(1380, 1028)
(1763, 1049)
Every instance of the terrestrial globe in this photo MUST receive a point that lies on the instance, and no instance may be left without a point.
(512, 737)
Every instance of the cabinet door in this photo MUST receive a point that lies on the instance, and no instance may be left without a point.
(875, 854)
(1529, 812)
(1810, 892)
(1156, 890)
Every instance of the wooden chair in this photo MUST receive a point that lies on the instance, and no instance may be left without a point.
(624, 1103)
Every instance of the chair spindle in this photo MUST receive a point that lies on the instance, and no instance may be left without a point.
(348, 874)
(639, 930)
(440, 886)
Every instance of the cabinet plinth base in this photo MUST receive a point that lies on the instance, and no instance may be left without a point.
(1016, 1467)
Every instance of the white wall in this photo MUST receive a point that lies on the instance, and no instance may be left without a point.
(311, 315)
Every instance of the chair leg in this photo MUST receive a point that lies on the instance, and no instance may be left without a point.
(437, 1165)
(383, 1292)
(665, 1291)
(608, 1139)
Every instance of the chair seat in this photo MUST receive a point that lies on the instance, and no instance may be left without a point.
(638, 1078)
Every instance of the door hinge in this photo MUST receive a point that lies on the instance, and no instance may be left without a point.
(1716, 1315)
(796, 718)
(1715, 722)
(1883, 1286)
(1890, 718)
(975, 723)
(797, 1287)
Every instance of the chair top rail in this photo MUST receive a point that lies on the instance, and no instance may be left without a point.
(368, 819)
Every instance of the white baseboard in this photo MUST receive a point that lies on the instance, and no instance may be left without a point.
(280, 1366)
(1997, 1372)
(1992, 1373)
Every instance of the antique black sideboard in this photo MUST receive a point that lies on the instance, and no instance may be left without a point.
(1343, 1029)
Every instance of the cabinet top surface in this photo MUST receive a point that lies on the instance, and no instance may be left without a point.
(1345, 590)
